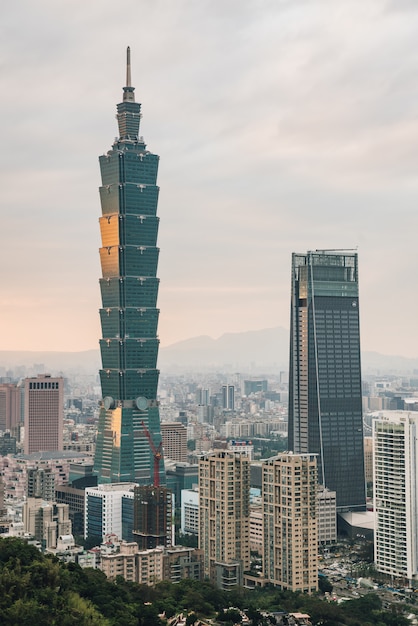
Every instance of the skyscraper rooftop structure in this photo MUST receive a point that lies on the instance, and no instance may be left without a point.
(129, 314)
(325, 404)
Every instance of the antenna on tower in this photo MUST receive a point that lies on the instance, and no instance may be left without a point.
(128, 90)
(128, 67)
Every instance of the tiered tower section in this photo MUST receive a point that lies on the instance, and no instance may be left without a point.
(129, 314)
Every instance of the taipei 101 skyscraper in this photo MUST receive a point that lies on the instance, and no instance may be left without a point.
(129, 414)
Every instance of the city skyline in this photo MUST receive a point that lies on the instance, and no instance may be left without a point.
(282, 127)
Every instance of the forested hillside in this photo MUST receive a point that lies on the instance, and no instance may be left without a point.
(39, 589)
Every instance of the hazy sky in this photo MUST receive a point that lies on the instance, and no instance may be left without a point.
(282, 125)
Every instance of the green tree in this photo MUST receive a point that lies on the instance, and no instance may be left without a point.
(324, 584)
(191, 619)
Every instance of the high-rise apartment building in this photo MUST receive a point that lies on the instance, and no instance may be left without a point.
(203, 396)
(395, 435)
(228, 397)
(189, 512)
(129, 313)
(290, 554)
(327, 517)
(224, 513)
(325, 404)
(174, 437)
(44, 414)
(368, 459)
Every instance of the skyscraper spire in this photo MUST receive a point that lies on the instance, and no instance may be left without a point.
(128, 90)
(128, 66)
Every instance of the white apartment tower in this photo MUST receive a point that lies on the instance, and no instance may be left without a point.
(290, 553)
(327, 516)
(224, 509)
(395, 465)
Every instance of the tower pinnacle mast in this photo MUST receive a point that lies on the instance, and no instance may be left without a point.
(128, 90)
(128, 66)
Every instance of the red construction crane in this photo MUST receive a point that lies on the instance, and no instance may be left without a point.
(157, 454)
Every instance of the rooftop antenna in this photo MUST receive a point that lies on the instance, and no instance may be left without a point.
(128, 90)
(128, 67)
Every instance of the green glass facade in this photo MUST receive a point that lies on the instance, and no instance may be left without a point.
(325, 398)
(129, 314)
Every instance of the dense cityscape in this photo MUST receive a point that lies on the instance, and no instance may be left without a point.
(283, 497)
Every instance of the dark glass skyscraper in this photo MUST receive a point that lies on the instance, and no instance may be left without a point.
(325, 404)
(129, 317)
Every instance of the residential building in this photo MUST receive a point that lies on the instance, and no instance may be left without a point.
(10, 408)
(256, 529)
(15, 470)
(327, 516)
(174, 438)
(395, 435)
(41, 483)
(181, 562)
(203, 396)
(121, 563)
(189, 512)
(290, 553)
(46, 521)
(147, 567)
(129, 314)
(228, 397)
(224, 503)
(242, 447)
(325, 402)
(44, 414)
(368, 459)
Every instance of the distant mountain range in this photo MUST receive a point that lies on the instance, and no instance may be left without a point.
(251, 352)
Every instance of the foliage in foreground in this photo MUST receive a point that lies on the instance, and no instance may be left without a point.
(38, 588)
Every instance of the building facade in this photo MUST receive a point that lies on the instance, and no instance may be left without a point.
(290, 552)
(129, 314)
(228, 397)
(41, 483)
(395, 435)
(174, 437)
(152, 520)
(147, 567)
(10, 408)
(224, 513)
(103, 513)
(327, 517)
(325, 402)
(46, 521)
(368, 459)
(189, 512)
(44, 414)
